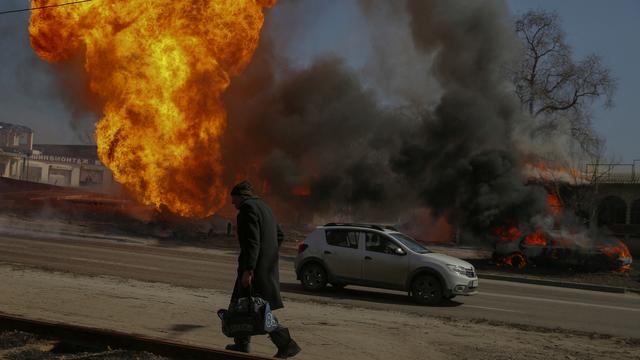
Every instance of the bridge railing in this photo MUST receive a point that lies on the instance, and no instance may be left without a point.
(613, 173)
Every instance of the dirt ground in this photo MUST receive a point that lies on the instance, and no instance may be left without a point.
(17, 345)
(325, 331)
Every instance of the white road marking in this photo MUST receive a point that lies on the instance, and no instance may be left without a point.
(566, 302)
(114, 263)
(490, 308)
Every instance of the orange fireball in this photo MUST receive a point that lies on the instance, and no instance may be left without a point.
(159, 67)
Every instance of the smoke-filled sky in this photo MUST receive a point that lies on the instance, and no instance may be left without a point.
(32, 94)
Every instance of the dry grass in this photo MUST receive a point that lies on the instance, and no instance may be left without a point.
(16, 345)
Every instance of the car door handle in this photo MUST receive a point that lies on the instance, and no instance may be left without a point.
(367, 258)
(327, 252)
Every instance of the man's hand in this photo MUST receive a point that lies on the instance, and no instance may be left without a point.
(247, 276)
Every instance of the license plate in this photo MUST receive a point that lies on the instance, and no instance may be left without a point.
(473, 284)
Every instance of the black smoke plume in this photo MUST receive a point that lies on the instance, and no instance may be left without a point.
(322, 127)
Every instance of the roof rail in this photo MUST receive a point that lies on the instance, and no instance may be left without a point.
(368, 226)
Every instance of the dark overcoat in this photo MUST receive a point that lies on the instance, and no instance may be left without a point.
(260, 237)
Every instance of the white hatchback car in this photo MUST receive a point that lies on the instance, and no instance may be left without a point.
(381, 257)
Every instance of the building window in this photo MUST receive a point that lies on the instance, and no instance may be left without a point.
(60, 177)
(91, 177)
(34, 173)
(23, 139)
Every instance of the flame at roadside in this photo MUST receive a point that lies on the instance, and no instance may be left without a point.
(508, 233)
(159, 68)
(543, 171)
(537, 238)
(518, 248)
(618, 251)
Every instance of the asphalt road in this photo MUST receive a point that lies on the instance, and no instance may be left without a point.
(533, 305)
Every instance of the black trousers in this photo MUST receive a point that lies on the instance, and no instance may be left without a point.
(280, 336)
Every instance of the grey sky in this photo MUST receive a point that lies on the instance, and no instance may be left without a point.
(306, 29)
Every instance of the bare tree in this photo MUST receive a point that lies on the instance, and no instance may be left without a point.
(551, 85)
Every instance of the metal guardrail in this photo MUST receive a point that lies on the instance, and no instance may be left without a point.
(103, 338)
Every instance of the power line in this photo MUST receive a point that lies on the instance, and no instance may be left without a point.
(43, 7)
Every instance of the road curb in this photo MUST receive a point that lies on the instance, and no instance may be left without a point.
(564, 284)
(105, 338)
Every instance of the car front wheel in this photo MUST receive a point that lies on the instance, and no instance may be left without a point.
(426, 290)
(314, 277)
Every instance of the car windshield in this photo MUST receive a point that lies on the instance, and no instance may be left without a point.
(410, 243)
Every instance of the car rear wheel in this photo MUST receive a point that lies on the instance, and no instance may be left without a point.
(426, 290)
(314, 277)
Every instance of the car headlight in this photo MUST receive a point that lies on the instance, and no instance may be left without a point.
(457, 269)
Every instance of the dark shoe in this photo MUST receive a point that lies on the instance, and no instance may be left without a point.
(245, 348)
(290, 350)
(286, 346)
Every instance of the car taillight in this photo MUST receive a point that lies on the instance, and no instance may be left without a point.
(302, 248)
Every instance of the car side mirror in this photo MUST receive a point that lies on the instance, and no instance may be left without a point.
(400, 252)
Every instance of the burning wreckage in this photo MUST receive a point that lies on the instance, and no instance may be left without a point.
(555, 247)
(559, 245)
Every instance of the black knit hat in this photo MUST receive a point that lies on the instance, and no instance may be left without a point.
(243, 188)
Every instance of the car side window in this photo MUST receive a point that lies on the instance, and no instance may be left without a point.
(343, 238)
(381, 244)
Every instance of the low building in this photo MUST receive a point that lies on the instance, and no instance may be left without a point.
(16, 143)
(15, 138)
(61, 165)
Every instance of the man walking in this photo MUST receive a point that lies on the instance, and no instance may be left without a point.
(260, 237)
